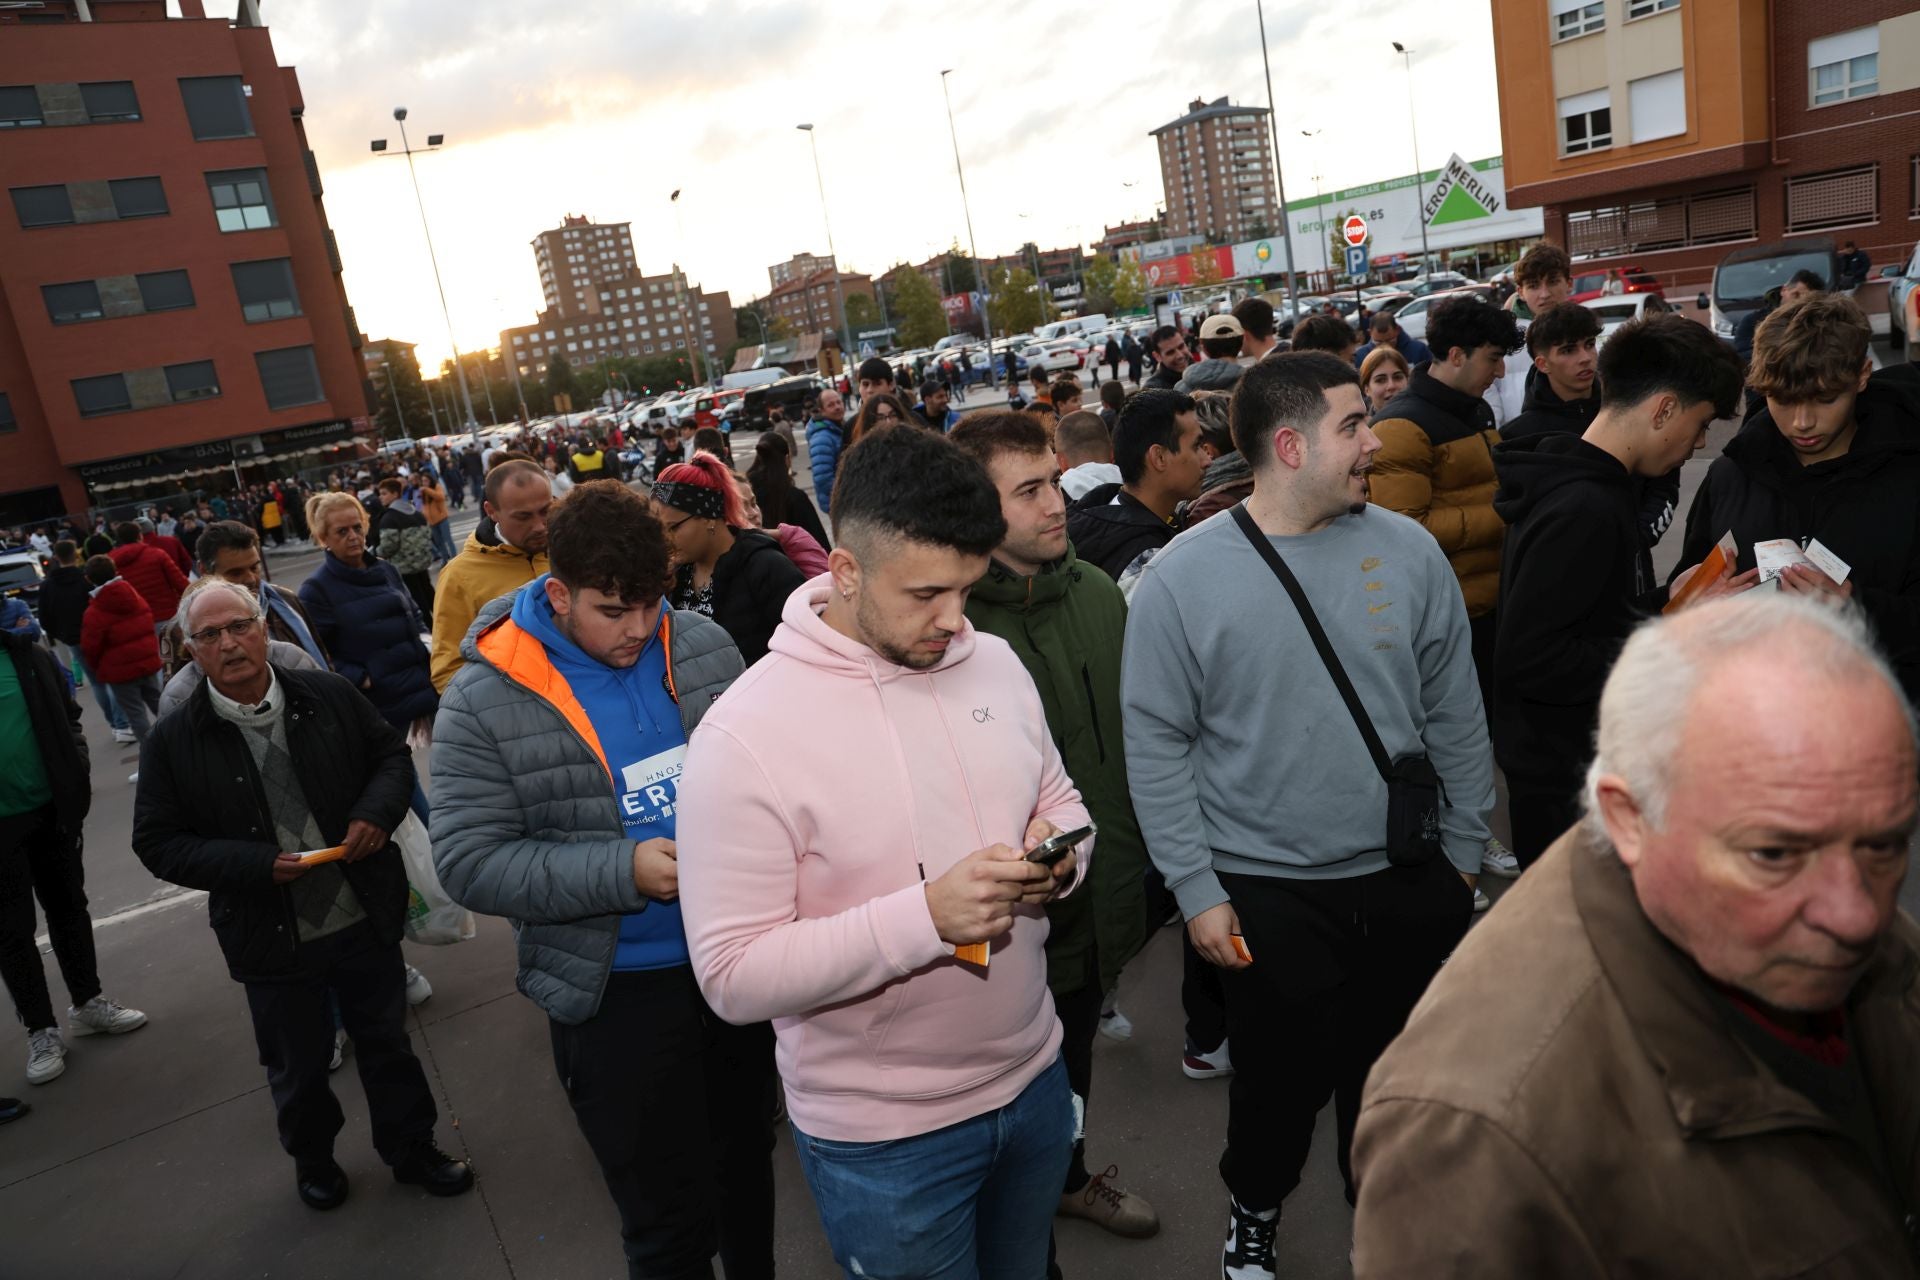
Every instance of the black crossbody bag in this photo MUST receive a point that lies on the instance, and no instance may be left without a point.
(1414, 793)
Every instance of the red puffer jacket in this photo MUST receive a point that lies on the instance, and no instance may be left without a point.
(116, 634)
(153, 574)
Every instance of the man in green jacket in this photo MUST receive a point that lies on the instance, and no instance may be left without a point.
(1065, 620)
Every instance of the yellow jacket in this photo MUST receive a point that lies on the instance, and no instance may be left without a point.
(483, 571)
(1436, 465)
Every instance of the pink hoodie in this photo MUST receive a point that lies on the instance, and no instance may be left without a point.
(815, 792)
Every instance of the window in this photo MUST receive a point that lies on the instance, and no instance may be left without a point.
(19, 107)
(1657, 106)
(195, 381)
(42, 206)
(241, 200)
(7, 423)
(266, 289)
(109, 101)
(216, 107)
(1647, 8)
(165, 290)
(1586, 123)
(72, 303)
(138, 197)
(1671, 222)
(1844, 66)
(289, 376)
(104, 394)
(1837, 199)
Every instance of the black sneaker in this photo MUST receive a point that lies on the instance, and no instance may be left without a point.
(428, 1166)
(1248, 1253)
(322, 1183)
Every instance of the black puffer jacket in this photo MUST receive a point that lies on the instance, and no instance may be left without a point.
(1111, 529)
(751, 584)
(200, 816)
(56, 729)
(1863, 506)
(63, 599)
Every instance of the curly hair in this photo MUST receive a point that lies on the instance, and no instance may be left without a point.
(603, 536)
(1811, 350)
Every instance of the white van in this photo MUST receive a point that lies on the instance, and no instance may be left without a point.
(752, 378)
(1077, 327)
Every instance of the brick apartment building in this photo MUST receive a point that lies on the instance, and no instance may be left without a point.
(806, 302)
(1125, 236)
(633, 315)
(170, 296)
(1216, 166)
(579, 257)
(1056, 265)
(798, 266)
(1680, 128)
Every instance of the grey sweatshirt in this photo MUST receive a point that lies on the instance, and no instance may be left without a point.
(1241, 754)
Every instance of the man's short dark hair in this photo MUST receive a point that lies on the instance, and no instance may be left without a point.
(1322, 332)
(1222, 348)
(512, 471)
(931, 387)
(1810, 278)
(391, 485)
(1382, 322)
(1160, 335)
(223, 535)
(1113, 395)
(1560, 326)
(125, 533)
(1470, 323)
(603, 536)
(985, 436)
(1150, 418)
(1040, 376)
(1255, 316)
(100, 570)
(1286, 390)
(1657, 353)
(903, 482)
(1063, 389)
(874, 369)
(65, 551)
(1540, 264)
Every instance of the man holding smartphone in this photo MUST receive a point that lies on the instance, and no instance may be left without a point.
(870, 894)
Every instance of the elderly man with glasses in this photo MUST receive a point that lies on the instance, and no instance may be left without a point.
(264, 768)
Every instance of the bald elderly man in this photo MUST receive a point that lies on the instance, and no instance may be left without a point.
(1686, 1044)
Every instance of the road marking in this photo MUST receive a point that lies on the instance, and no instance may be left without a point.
(172, 896)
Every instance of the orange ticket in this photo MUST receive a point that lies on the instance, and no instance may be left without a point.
(313, 857)
(1723, 557)
(974, 953)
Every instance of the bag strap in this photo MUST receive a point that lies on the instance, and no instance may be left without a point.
(1355, 708)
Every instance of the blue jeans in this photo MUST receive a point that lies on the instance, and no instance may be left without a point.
(443, 540)
(972, 1201)
(102, 696)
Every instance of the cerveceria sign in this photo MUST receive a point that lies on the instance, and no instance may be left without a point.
(214, 453)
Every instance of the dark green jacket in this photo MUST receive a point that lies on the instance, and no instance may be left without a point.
(1066, 624)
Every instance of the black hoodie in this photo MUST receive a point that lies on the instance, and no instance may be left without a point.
(751, 583)
(1111, 528)
(1863, 506)
(1572, 587)
(1546, 411)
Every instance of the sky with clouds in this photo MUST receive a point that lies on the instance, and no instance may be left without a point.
(603, 107)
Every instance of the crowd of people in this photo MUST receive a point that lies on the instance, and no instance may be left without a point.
(1246, 644)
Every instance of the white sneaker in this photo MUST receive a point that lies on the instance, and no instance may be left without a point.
(1498, 860)
(102, 1017)
(1114, 1025)
(124, 736)
(1248, 1252)
(419, 990)
(46, 1055)
(1207, 1066)
(1480, 900)
(339, 1050)
(134, 776)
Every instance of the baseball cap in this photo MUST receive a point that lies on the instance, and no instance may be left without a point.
(1220, 327)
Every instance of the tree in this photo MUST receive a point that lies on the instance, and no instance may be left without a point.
(401, 378)
(1206, 266)
(560, 379)
(1130, 287)
(1098, 282)
(1019, 303)
(655, 374)
(919, 317)
(862, 313)
(960, 277)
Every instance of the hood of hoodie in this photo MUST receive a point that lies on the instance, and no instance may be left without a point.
(1542, 398)
(1534, 466)
(1228, 468)
(1211, 374)
(1885, 415)
(804, 636)
(486, 540)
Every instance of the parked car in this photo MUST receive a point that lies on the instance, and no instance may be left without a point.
(791, 394)
(1063, 356)
(1741, 281)
(1612, 280)
(21, 575)
(1903, 300)
(1614, 310)
(1413, 316)
(1434, 282)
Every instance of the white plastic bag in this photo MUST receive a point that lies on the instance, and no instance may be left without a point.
(432, 917)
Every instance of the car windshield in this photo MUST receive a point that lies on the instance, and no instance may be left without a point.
(17, 573)
(1741, 285)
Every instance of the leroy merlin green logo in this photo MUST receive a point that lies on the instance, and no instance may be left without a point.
(1459, 196)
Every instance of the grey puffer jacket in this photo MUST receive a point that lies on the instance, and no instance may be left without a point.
(525, 822)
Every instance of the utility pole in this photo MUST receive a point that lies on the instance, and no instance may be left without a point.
(973, 249)
(1279, 183)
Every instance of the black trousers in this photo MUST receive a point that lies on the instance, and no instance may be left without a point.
(293, 1023)
(1202, 998)
(677, 1106)
(36, 861)
(1337, 967)
(420, 587)
(1540, 810)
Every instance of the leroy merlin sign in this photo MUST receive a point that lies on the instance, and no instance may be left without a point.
(1459, 196)
(1463, 204)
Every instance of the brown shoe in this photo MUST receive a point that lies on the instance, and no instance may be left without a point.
(1105, 1205)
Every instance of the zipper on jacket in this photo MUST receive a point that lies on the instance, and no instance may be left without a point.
(1093, 712)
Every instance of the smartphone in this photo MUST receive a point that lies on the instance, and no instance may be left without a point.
(1048, 852)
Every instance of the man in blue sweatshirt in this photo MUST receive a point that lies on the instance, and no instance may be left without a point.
(1257, 795)
(556, 767)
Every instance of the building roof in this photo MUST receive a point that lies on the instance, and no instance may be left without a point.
(1199, 110)
(799, 283)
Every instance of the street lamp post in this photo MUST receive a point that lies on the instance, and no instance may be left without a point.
(1419, 176)
(406, 149)
(839, 299)
(394, 391)
(695, 369)
(973, 250)
(1320, 210)
(486, 384)
(1279, 183)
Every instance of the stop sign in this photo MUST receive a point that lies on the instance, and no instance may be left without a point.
(1355, 230)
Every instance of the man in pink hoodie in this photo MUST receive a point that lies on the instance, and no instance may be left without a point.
(835, 888)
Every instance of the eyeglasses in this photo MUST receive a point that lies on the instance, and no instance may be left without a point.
(673, 528)
(238, 630)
